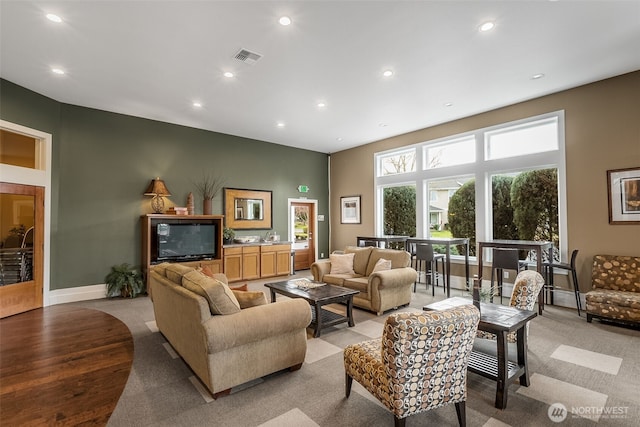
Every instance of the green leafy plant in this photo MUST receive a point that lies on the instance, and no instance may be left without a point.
(125, 281)
(228, 234)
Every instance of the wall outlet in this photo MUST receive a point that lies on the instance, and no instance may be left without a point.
(321, 254)
(505, 274)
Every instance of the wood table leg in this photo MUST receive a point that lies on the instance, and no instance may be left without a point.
(316, 332)
(273, 295)
(522, 355)
(502, 355)
(350, 311)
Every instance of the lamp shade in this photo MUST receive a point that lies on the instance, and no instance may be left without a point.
(157, 188)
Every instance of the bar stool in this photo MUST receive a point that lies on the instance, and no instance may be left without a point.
(424, 253)
(571, 266)
(504, 259)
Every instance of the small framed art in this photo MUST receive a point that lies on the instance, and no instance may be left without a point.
(623, 187)
(350, 210)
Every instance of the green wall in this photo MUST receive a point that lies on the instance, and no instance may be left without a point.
(102, 163)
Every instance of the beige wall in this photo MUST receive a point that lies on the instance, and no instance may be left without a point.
(602, 132)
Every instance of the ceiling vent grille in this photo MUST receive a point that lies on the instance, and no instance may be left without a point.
(247, 56)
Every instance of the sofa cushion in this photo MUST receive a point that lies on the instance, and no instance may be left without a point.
(161, 268)
(616, 272)
(219, 296)
(398, 258)
(248, 299)
(341, 263)
(360, 284)
(617, 298)
(382, 265)
(174, 272)
(338, 279)
(360, 259)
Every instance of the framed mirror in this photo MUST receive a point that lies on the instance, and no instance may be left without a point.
(247, 209)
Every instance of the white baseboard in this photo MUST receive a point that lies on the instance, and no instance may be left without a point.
(81, 293)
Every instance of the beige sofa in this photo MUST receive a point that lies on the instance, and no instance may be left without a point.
(380, 290)
(226, 350)
(615, 293)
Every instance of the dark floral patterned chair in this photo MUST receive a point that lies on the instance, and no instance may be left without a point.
(615, 293)
(524, 296)
(419, 363)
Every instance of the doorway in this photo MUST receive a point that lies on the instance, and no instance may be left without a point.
(303, 223)
(21, 255)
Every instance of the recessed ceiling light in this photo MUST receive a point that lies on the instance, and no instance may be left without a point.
(321, 104)
(284, 20)
(382, 125)
(228, 74)
(53, 17)
(387, 73)
(448, 104)
(487, 26)
(537, 76)
(197, 104)
(280, 124)
(339, 139)
(59, 71)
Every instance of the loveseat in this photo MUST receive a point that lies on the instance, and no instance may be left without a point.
(615, 293)
(245, 339)
(383, 277)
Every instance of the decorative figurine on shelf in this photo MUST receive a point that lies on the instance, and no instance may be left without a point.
(191, 210)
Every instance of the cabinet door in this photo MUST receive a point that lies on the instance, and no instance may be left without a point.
(233, 264)
(251, 263)
(283, 263)
(268, 264)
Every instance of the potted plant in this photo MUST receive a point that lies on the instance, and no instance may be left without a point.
(208, 187)
(125, 281)
(228, 234)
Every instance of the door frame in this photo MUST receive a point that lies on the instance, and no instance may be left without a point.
(315, 220)
(38, 177)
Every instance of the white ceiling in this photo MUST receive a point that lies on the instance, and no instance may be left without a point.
(152, 59)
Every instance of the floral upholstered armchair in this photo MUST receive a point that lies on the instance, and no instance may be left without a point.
(419, 363)
(524, 296)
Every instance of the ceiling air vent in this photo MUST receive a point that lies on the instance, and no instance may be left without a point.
(247, 56)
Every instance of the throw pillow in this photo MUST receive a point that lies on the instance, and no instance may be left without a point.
(220, 298)
(206, 270)
(174, 272)
(341, 263)
(382, 265)
(248, 299)
(239, 288)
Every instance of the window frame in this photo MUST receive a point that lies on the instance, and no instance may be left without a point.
(482, 170)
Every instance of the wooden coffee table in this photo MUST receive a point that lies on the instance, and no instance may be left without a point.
(317, 295)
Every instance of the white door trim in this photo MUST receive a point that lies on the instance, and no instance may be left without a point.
(315, 221)
(40, 177)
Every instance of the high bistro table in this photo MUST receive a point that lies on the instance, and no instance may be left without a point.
(448, 242)
(386, 240)
(529, 245)
(499, 320)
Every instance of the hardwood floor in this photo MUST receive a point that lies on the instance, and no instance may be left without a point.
(62, 365)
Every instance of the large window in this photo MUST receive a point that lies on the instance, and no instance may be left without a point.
(502, 182)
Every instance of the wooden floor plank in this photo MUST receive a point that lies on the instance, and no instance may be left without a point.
(62, 365)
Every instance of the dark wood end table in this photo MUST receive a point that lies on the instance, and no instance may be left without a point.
(499, 320)
(317, 296)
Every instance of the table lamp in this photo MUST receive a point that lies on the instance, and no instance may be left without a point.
(157, 189)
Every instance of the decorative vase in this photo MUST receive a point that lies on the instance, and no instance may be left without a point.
(190, 206)
(206, 206)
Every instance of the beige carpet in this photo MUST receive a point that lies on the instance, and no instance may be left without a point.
(581, 375)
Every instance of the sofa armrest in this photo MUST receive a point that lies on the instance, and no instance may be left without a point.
(319, 269)
(256, 323)
(392, 278)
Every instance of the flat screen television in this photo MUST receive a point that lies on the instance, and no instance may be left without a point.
(185, 241)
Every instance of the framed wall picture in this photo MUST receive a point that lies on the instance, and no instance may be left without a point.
(624, 195)
(350, 210)
(247, 209)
